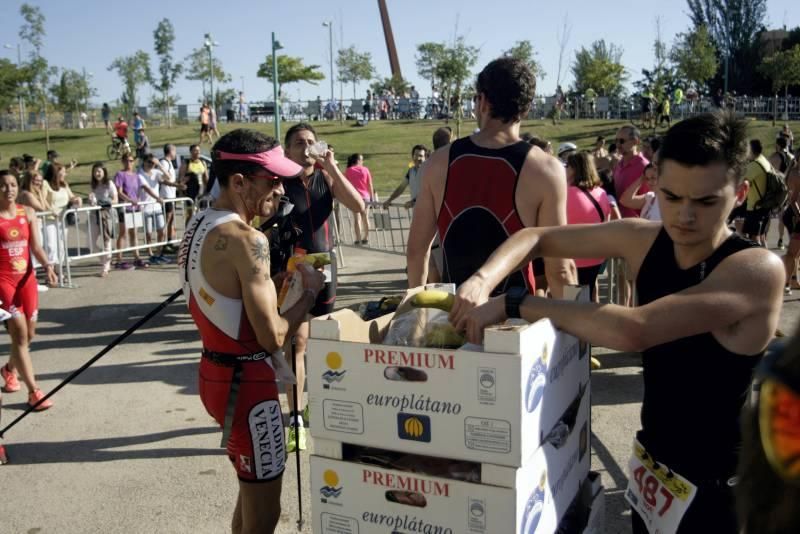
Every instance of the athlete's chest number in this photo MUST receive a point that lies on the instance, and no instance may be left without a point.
(651, 489)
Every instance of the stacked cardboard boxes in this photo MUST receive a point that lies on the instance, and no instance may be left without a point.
(517, 409)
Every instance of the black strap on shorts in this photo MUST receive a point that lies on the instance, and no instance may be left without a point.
(235, 361)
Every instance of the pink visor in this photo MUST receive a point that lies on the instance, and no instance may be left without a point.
(272, 160)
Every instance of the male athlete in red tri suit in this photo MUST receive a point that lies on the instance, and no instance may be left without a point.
(19, 298)
(224, 269)
(481, 189)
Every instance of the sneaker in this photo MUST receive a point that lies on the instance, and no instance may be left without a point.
(10, 377)
(41, 288)
(124, 266)
(291, 441)
(780, 244)
(34, 397)
(787, 291)
(155, 260)
(3, 455)
(163, 260)
(141, 264)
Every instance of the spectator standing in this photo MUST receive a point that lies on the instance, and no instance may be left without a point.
(138, 127)
(105, 112)
(193, 178)
(205, 117)
(168, 191)
(631, 165)
(412, 178)
(587, 203)
(129, 218)
(756, 219)
(646, 203)
(361, 179)
(104, 194)
(212, 123)
(61, 198)
(150, 178)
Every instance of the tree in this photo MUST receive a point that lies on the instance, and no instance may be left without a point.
(354, 66)
(523, 50)
(732, 26)
(661, 79)
(199, 69)
(453, 71)
(290, 70)
(562, 37)
(695, 57)
(600, 68)
(783, 68)
(11, 77)
(428, 57)
(36, 72)
(72, 90)
(395, 84)
(169, 71)
(134, 71)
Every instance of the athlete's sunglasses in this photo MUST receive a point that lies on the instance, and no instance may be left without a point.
(778, 409)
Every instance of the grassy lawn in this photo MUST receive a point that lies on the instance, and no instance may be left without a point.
(386, 145)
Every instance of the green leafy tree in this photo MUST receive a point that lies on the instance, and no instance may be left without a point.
(428, 57)
(733, 26)
(456, 68)
(72, 91)
(168, 70)
(695, 57)
(599, 67)
(134, 71)
(10, 79)
(290, 70)
(396, 84)
(36, 72)
(783, 68)
(523, 50)
(354, 66)
(198, 68)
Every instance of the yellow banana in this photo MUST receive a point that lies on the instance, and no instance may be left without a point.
(433, 298)
(318, 259)
(443, 336)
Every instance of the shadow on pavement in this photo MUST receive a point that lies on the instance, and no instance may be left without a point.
(100, 450)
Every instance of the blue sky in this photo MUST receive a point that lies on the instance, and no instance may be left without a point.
(91, 33)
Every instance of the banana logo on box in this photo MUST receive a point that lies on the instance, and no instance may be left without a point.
(533, 508)
(334, 362)
(537, 378)
(330, 489)
(414, 427)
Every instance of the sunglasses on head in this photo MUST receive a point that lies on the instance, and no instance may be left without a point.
(778, 410)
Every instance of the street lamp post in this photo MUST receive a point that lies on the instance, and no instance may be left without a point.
(329, 25)
(276, 45)
(210, 44)
(19, 92)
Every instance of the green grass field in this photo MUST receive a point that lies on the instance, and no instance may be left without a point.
(386, 145)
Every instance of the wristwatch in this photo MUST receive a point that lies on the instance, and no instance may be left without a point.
(514, 298)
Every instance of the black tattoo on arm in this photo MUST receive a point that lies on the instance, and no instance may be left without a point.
(221, 244)
(260, 250)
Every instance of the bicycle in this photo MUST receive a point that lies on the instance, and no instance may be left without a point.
(117, 148)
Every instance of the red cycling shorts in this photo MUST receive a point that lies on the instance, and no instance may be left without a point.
(20, 296)
(256, 446)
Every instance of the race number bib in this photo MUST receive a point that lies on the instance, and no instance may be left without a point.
(660, 496)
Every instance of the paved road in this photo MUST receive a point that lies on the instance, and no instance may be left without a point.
(128, 446)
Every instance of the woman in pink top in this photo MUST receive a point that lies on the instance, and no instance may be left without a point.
(587, 203)
(360, 177)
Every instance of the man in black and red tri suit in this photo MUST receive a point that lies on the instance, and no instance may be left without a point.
(488, 186)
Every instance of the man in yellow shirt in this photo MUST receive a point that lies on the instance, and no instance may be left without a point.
(756, 222)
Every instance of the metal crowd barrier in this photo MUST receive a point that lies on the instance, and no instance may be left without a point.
(388, 230)
(79, 232)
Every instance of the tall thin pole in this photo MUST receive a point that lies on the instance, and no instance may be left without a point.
(19, 94)
(209, 44)
(275, 88)
(329, 24)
